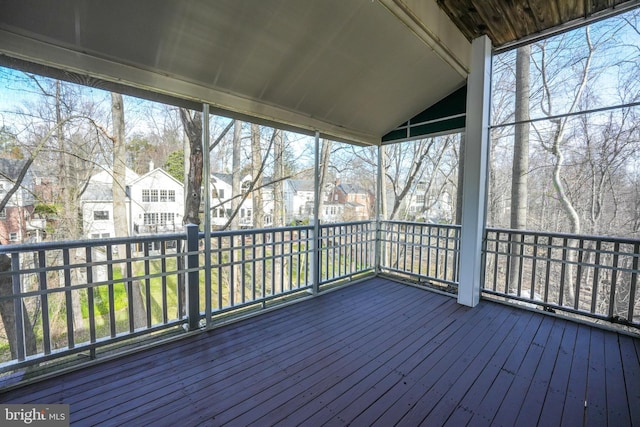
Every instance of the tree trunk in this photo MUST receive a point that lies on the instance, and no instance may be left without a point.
(118, 190)
(520, 170)
(193, 129)
(278, 183)
(384, 206)
(236, 192)
(256, 176)
(8, 314)
(325, 154)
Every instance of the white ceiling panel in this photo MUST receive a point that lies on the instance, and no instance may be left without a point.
(349, 68)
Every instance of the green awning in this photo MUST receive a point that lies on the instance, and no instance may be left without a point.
(445, 116)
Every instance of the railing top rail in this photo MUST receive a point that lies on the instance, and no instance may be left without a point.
(611, 239)
(424, 224)
(68, 244)
(253, 231)
(342, 224)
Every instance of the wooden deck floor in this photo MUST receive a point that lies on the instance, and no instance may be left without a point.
(375, 353)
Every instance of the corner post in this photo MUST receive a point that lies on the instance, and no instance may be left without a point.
(475, 172)
(315, 238)
(193, 285)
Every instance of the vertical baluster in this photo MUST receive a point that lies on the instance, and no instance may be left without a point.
(68, 297)
(576, 303)
(90, 297)
(428, 273)
(273, 262)
(508, 255)
(280, 260)
(563, 271)
(596, 276)
(446, 253)
(147, 282)
(232, 280)
(547, 275)
(495, 261)
(17, 306)
(534, 266)
(254, 279)
(243, 263)
(614, 279)
(44, 300)
(129, 286)
(163, 281)
(634, 281)
(220, 280)
(520, 264)
(290, 257)
(112, 309)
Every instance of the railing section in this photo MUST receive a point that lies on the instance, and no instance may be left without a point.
(251, 267)
(588, 275)
(346, 250)
(428, 253)
(61, 298)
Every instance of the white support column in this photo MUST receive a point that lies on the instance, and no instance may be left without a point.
(315, 252)
(206, 181)
(474, 188)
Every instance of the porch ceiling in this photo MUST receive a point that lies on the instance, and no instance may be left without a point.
(352, 69)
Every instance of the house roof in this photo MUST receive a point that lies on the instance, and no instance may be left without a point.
(11, 168)
(351, 189)
(224, 177)
(302, 185)
(352, 70)
(157, 171)
(98, 191)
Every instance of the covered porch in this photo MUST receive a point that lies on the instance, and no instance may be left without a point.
(367, 322)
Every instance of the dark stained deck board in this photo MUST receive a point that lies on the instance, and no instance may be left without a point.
(617, 409)
(573, 410)
(554, 398)
(374, 353)
(630, 359)
(483, 371)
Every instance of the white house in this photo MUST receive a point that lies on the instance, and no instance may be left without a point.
(222, 193)
(298, 196)
(155, 204)
(97, 204)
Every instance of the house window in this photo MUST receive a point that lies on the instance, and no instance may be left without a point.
(100, 215)
(420, 198)
(13, 237)
(167, 195)
(149, 195)
(159, 218)
(150, 218)
(3, 213)
(167, 218)
(218, 194)
(95, 236)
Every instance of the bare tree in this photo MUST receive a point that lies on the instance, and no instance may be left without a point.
(520, 171)
(192, 123)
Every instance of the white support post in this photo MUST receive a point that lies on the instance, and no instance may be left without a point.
(474, 188)
(380, 193)
(206, 178)
(315, 241)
